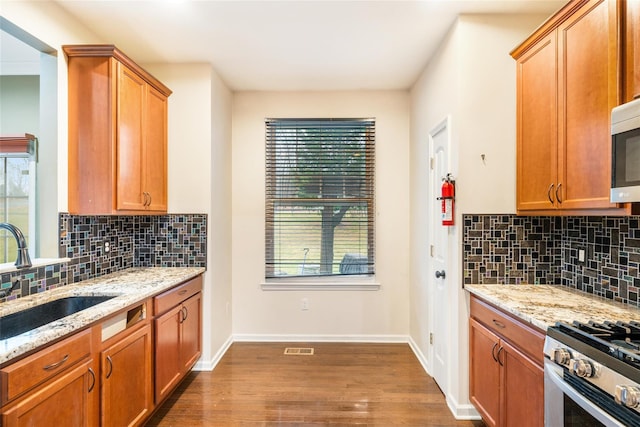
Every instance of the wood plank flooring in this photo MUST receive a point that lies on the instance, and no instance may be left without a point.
(341, 384)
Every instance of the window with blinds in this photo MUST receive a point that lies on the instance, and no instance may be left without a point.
(319, 197)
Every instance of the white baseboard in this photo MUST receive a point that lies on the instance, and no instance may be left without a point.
(209, 365)
(462, 412)
(321, 338)
(421, 358)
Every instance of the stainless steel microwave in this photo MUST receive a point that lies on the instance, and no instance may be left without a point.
(625, 155)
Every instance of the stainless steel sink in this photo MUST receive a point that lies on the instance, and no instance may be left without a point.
(34, 317)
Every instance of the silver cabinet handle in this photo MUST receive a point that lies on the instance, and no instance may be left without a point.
(56, 364)
(498, 356)
(493, 352)
(93, 380)
(558, 198)
(110, 362)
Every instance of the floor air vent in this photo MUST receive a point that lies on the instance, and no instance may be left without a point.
(299, 351)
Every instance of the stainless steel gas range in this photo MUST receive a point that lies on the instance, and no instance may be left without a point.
(592, 374)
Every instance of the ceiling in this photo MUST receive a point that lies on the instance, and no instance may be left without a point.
(290, 45)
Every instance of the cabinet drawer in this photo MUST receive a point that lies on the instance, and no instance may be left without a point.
(525, 338)
(25, 374)
(175, 296)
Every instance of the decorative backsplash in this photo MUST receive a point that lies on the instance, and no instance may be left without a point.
(134, 241)
(508, 249)
(612, 256)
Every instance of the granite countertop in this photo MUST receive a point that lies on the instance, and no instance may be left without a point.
(544, 305)
(128, 286)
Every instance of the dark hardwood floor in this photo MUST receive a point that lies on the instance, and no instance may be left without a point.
(341, 384)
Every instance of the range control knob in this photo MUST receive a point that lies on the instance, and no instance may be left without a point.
(627, 395)
(561, 356)
(584, 368)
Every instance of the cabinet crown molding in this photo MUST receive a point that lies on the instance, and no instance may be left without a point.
(547, 26)
(111, 51)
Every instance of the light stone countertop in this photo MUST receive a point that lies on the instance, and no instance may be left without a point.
(544, 305)
(130, 286)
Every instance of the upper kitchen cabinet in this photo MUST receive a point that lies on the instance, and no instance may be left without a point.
(117, 134)
(568, 80)
(632, 50)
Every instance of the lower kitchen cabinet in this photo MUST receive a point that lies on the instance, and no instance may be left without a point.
(178, 342)
(521, 373)
(68, 400)
(126, 379)
(103, 375)
(484, 372)
(506, 377)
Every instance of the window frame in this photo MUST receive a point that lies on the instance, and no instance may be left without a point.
(334, 281)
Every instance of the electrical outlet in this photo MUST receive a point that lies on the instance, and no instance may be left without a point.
(304, 304)
(106, 246)
(581, 255)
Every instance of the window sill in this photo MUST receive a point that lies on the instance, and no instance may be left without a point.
(355, 283)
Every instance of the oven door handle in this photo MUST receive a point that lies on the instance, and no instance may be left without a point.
(555, 376)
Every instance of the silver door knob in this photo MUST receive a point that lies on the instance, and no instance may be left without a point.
(440, 274)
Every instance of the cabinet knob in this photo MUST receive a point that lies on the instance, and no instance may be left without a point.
(440, 274)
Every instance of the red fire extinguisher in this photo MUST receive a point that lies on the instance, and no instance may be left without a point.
(448, 200)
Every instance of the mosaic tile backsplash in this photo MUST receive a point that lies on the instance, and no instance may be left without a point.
(508, 249)
(134, 241)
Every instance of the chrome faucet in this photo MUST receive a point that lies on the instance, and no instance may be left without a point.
(23, 260)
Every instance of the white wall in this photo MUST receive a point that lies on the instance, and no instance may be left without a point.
(19, 105)
(218, 326)
(199, 182)
(472, 78)
(364, 315)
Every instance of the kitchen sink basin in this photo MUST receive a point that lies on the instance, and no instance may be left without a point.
(34, 317)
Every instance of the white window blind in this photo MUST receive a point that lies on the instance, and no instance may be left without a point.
(319, 197)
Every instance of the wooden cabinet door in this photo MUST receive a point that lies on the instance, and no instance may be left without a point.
(537, 126)
(632, 50)
(191, 339)
(155, 151)
(167, 352)
(588, 90)
(65, 401)
(130, 126)
(127, 396)
(178, 344)
(522, 399)
(484, 373)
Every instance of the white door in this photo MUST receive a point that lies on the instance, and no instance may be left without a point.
(438, 249)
